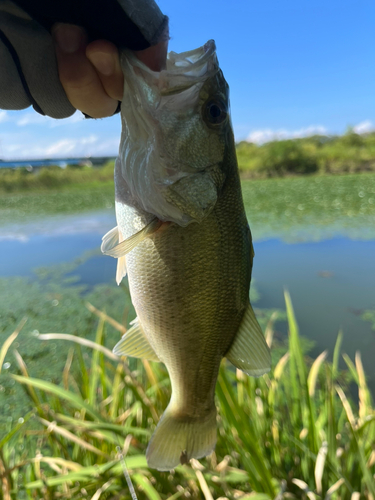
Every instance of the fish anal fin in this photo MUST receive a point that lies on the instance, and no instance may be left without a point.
(249, 351)
(135, 344)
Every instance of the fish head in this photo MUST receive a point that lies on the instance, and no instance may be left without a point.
(176, 129)
(193, 124)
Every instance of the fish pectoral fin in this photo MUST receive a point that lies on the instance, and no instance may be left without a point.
(249, 351)
(115, 249)
(110, 239)
(135, 344)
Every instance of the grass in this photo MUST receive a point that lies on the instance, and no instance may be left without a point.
(293, 433)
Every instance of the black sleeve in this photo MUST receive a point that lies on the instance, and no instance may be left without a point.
(28, 68)
(107, 19)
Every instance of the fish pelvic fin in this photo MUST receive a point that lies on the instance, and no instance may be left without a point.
(121, 263)
(121, 269)
(112, 247)
(177, 439)
(111, 240)
(249, 351)
(135, 344)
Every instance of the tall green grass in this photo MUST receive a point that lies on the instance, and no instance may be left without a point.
(293, 433)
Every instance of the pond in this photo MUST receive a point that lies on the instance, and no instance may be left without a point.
(314, 236)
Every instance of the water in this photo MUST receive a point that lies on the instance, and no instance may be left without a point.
(60, 162)
(322, 254)
(30, 164)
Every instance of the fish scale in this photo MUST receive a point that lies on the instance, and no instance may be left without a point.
(189, 278)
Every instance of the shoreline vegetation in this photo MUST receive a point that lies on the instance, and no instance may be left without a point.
(315, 155)
(293, 433)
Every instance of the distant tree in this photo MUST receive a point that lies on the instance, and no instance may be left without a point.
(282, 157)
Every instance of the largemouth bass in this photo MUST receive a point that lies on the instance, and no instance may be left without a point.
(184, 240)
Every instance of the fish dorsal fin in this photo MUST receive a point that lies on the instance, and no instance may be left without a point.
(135, 344)
(111, 247)
(249, 351)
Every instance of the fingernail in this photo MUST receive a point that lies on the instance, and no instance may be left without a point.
(103, 62)
(68, 37)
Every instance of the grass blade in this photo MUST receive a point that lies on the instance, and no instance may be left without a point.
(336, 355)
(5, 347)
(77, 401)
(313, 375)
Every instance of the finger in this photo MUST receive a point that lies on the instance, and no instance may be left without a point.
(155, 57)
(104, 57)
(77, 75)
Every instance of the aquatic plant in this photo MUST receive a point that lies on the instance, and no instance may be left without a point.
(293, 433)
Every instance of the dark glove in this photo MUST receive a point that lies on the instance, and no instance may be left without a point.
(28, 69)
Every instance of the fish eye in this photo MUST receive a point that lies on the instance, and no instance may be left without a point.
(215, 112)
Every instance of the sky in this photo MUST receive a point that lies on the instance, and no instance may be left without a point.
(294, 68)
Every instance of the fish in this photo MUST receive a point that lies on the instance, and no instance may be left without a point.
(184, 241)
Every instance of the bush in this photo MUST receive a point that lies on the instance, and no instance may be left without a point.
(287, 157)
(349, 153)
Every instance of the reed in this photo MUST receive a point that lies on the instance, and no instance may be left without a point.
(293, 433)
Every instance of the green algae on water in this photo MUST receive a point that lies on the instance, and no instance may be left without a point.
(312, 208)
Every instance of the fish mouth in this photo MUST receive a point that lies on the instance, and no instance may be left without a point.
(188, 68)
(183, 70)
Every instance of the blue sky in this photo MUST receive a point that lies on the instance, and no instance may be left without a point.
(293, 67)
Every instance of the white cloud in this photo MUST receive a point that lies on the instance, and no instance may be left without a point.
(70, 147)
(17, 147)
(76, 118)
(266, 135)
(3, 116)
(364, 127)
(34, 118)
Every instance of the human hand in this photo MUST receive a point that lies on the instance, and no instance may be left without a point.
(90, 73)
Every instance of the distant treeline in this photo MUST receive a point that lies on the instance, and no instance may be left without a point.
(54, 177)
(318, 154)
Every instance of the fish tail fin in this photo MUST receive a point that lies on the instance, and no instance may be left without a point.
(178, 439)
